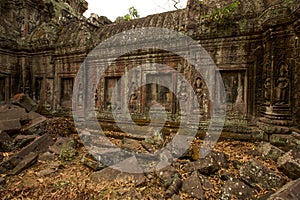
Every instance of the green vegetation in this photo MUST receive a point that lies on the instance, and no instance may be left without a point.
(222, 14)
(132, 14)
(68, 152)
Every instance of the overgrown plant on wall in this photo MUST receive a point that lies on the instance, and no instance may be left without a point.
(219, 16)
(132, 14)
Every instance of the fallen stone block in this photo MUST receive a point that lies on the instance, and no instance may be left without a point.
(195, 184)
(174, 188)
(209, 164)
(290, 191)
(35, 126)
(289, 164)
(109, 175)
(45, 172)
(268, 151)
(205, 166)
(25, 101)
(220, 158)
(47, 156)
(92, 163)
(130, 144)
(10, 125)
(167, 175)
(38, 146)
(5, 141)
(8, 112)
(236, 189)
(109, 155)
(61, 142)
(65, 148)
(255, 173)
(23, 140)
(26, 162)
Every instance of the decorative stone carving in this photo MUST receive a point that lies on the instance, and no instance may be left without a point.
(200, 98)
(80, 95)
(133, 98)
(267, 92)
(282, 86)
(183, 95)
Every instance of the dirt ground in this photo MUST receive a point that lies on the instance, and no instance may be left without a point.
(70, 179)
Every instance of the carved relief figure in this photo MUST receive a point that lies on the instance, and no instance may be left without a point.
(80, 95)
(231, 88)
(133, 97)
(199, 99)
(48, 96)
(281, 90)
(183, 95)
(234, 91)
(267, 93)
(27, 88)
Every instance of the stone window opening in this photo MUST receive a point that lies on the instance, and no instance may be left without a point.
(157, 93)
(2, 90)
(38, 88)
(110, 84)
(66, 90)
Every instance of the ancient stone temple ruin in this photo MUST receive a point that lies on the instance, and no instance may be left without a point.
(254, 43)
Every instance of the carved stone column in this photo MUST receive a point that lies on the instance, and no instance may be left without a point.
(276, 106)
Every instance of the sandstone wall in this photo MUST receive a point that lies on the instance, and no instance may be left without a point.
(255, 46)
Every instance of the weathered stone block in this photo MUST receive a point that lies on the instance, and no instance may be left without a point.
(167, 175)
(254, 172)
(10, 125)
(38, 146)
(47, 156)
(13, 112)
(209, 164)
(45, 172)
(289, 164)
(61, 143)
(130, 144)
(23, 140)
(5, 141)
(236, 189)
(91, 162)
(268, 151)
(290, 191)
(35, 126)
(194, 185)
(26, 162)
(26, 102)
(174, 188)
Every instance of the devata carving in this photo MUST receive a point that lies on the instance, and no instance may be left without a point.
(200, 98)
(133, 98)
(267, 93)
(281, 90)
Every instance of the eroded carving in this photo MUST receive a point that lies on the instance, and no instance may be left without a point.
(281, 89)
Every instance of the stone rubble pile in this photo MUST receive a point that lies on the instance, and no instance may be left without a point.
(25, 135)
(253, 175)
(29, 137)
